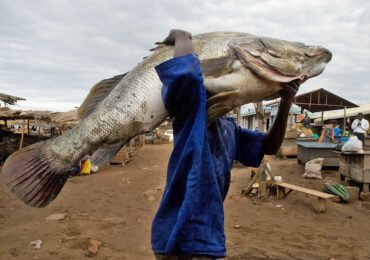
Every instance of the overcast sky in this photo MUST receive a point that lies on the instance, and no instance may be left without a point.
(53, 51)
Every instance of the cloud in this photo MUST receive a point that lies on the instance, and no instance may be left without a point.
(52, 52)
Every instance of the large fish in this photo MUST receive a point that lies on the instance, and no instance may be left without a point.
(238, 68)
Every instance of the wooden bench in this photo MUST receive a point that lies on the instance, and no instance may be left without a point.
(283, 189)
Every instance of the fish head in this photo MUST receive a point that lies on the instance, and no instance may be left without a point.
(255, 68)
(278, 60)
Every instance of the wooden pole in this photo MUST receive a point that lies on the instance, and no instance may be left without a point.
(259, 113)
(322, 118)
(28, 126)
(22, 135)
(238, 116)
(344, 119)
(263, 176)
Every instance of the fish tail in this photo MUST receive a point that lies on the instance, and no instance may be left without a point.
(35, 174)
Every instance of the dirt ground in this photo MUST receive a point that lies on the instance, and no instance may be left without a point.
(116, 206)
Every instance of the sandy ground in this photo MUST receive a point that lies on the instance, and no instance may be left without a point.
(116, 206)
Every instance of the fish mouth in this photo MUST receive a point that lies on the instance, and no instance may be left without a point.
(318, 52)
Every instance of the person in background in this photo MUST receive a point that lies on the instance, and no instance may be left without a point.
(306, 121)
(337, 133)
(360, 126)
(327, 134)
(346, 131)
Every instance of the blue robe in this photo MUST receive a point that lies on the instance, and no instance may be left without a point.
(190, 218)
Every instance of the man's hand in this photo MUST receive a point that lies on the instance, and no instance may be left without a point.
(289, 90)
(174, 35)
(182, 41)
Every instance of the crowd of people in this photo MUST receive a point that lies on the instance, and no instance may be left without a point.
(333, 133)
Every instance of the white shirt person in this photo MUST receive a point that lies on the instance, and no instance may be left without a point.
(360, 126)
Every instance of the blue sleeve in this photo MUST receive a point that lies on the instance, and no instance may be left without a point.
(182, 79)
(248, 147)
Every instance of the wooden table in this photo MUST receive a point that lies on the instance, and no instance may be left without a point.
(356, 166)
(308, 151)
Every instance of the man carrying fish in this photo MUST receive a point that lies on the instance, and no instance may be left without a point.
(190, 221)
(233, 69)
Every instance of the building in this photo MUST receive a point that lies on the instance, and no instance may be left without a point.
(318, 101)
(249, 116)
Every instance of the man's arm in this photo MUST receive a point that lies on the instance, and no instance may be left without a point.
(181, 76)
(275, 135)
(354, 124)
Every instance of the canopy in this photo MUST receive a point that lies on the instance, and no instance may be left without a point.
(321, 100)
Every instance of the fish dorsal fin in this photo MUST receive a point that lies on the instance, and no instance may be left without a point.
(97, 94)
(159, 46)
(217, 67)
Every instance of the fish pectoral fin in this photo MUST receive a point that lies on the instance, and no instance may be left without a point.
(220, 104)
(100, 91)
(223, 98)
(215, 111)
(217, 67)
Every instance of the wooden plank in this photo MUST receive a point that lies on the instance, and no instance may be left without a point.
(247, 189)
(263, 190)
(304, 190)
(123, 156)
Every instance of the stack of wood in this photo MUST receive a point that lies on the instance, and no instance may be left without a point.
(125, 155)
(129, 151)
(261, 180)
